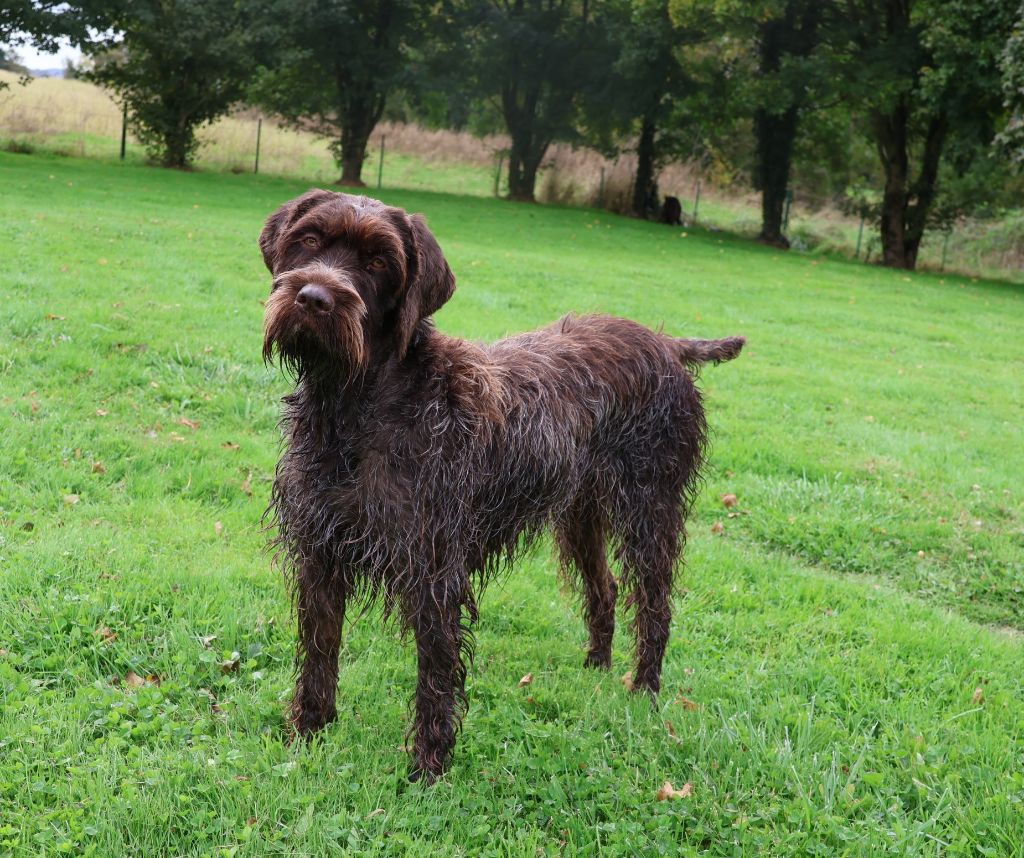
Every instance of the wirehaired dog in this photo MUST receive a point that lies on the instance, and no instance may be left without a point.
(417, 464)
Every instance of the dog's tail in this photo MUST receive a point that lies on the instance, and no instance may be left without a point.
(696, 352)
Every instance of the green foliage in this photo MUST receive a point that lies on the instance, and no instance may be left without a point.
(533, 57)
(1011, 139)
(178, 65)
(339, 62)
(835, 670)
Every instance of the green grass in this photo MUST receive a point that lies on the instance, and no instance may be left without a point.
(833, 637)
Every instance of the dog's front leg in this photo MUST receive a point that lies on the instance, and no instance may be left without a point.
(320, 605)
(435, 614)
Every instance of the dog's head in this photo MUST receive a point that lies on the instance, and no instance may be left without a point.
(353, 278)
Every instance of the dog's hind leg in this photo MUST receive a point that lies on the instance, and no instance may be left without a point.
(648, 549)
(444, 648)
(320, 605)
(581, 542)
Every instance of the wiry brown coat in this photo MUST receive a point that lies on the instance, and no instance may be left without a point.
(417, 464)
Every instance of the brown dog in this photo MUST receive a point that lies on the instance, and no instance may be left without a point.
(417, 464)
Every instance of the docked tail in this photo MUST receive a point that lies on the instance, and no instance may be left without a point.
(702, 351)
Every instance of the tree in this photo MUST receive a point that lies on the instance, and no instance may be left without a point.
(776, 74)
(345, 59)
(35, 22)
(927, 73)
(534, 57)
(639, 101)
(178, 64)
(38, 22)
(1011, 138)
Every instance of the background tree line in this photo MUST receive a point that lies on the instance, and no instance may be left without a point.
(912, 111)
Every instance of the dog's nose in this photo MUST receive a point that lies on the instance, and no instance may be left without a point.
(315, 298)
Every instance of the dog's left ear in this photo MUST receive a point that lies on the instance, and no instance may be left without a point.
(271, 230)
(429, 281)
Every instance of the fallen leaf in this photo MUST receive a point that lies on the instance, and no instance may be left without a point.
(99, 468)
(108, 634)
(71, 500)
(230, 445)
(247, 485)
(978, 698)
(920, 554)
(718, 528)
(174, 436)
(230, 665)
(668, 791)
(133, 680)
(206, 640)
(729, 501)
(53, 317)
(376, 812)
(686, 702)
(671, 729)
(218, 527)
(192, 424)
(101, 412)
(627, 680)
(526, 680)
(252, 819)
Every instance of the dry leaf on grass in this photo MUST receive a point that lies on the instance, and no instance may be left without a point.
(729, 500)
(218, 528)
(108, 634)
(247, 485)
(230, 665)
(668, 791)
(53, 317)
(686, 702)
(978, 697)
(133, 680)
(71, 500)
(101, 412)
(206, 640)
(230, 445)
(627, 680)
(718, 528)
(99, 468)
(192, 424)
(526, 680)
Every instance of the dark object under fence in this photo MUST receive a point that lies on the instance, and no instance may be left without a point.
(417, 465)
(671, 212)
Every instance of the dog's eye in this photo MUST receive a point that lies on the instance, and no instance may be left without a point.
(311, 241)
(377, 264)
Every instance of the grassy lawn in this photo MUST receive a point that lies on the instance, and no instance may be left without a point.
(845, 673)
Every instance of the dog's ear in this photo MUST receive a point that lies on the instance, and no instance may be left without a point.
(271, 230)
(429, 281)
(285, 217)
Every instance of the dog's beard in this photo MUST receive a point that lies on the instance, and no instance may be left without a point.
(304, 341)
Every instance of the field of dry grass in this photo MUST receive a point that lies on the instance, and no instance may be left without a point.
(78, 118)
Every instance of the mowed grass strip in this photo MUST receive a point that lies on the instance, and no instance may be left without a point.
(845, 670)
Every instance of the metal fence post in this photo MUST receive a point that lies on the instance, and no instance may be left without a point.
(600, 192)
(785, 211)
(380, 166)
(497, 173)
(259, 134)
(696, 202)
(860, 236)
(124, 129)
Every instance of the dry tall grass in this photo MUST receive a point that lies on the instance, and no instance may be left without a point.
(79, 118)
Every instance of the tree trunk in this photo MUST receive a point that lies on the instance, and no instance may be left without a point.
(353, 154)
(891, 140)
(776, 133)
(645, 153)
(360, 109)
(528, 146)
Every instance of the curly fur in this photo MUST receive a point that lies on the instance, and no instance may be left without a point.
(417, 465)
